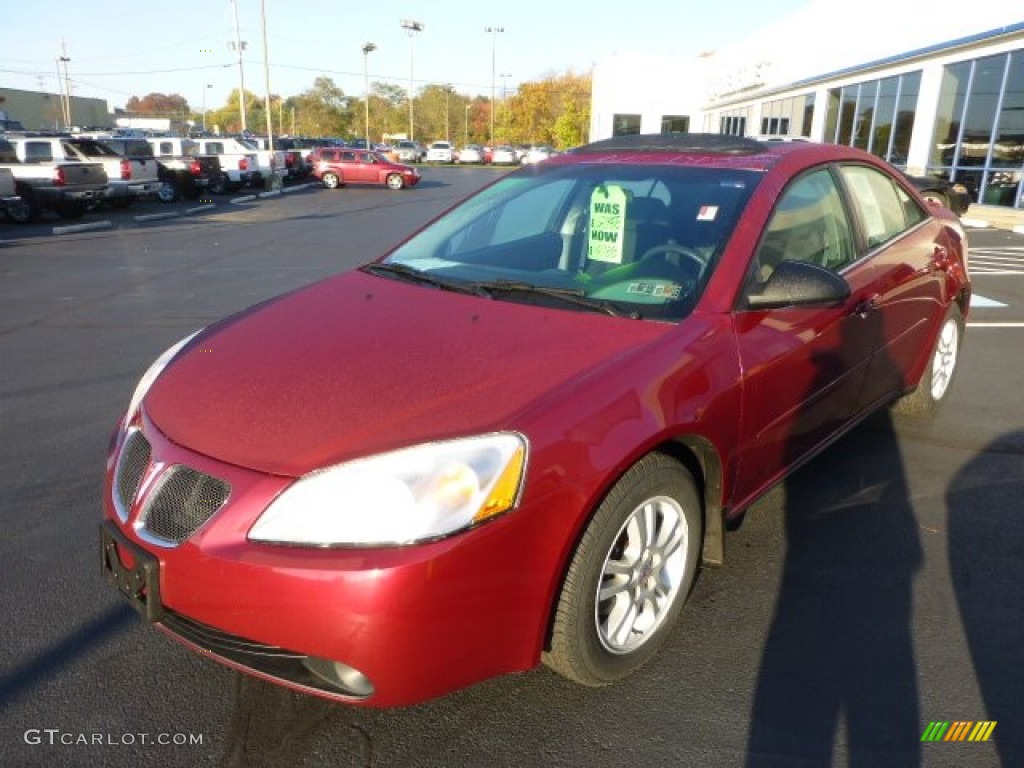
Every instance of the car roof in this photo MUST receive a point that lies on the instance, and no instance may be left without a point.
(706, 149)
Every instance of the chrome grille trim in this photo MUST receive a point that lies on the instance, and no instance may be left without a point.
(136, 454)
(181, 502)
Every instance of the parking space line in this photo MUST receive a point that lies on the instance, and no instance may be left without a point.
(995, 325)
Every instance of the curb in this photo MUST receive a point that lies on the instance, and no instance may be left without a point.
(978, 223)
(74, 228)
(198, 208)
(157, 216)
(243, 199)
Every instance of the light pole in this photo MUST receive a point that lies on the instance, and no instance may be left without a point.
(368, 48)
(447, 112)
(411, 28)
(494, 45)
(465, 129)
(504, 103)
(239, 45)
(206, 87)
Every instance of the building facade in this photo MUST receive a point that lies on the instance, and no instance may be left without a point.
(40, 111)
(953, 109)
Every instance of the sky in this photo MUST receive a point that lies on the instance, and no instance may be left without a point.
(121, 49)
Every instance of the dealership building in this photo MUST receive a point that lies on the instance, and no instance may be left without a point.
(942, 97)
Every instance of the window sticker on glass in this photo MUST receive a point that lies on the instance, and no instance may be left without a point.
(707, 213)
(656, 290)
(607, 224)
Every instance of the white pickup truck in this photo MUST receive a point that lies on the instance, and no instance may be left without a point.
(239, 164)
(127, 178)
(8, 190)
(65, 187)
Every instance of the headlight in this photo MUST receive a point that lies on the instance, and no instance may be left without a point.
(411, 495)
(151, 375)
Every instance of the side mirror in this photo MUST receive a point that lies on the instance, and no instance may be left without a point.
(798, 284)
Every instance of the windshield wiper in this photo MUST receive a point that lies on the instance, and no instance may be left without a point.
(405, 272)
(574, 296)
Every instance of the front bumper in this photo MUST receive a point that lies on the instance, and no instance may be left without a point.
(414, 622)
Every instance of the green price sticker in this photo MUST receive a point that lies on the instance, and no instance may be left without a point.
(607, 224)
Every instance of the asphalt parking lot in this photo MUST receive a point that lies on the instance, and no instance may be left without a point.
(876, 592)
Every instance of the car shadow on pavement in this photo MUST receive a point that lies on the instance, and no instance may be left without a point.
(986, 541)
(837, 672)
(63, 654)
(273, 727)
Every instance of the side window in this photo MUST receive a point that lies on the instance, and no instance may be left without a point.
(348, 157)
(215, 148)
(885, 210)
(38, 152)
(166, 148)
(809, 224)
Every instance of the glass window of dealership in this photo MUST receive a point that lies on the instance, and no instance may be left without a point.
(959, 116)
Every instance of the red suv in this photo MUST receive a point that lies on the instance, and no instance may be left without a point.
(338, 166)
(517, 436)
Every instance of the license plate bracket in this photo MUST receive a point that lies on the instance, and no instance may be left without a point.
(139, 582)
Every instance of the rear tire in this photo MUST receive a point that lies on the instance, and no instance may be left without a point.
(630, 575)
(168, 192)
(25, 210)
(934, 386)
(219, 185)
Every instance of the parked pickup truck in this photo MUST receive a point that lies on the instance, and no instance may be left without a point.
(184, 172)
(65, 187)
(238, 163)
(270, 163)
(128, 179)
(8, 192)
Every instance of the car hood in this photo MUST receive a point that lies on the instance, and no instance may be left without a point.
(358, 364)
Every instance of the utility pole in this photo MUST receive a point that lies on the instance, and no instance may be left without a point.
(411, 28)
(65, 91)
(494, 46)
(266, 84)
(239, 46)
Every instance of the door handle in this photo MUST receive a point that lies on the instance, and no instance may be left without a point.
(867, 306)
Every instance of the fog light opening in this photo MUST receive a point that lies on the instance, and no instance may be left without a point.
(342, 676)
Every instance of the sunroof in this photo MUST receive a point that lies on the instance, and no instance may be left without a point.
(713, 143)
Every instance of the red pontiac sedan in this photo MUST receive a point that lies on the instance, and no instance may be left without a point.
(338, 166)
(516, 437)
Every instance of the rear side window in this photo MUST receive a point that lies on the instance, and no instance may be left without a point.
(7, 153)
(886, 211)
(38, 152)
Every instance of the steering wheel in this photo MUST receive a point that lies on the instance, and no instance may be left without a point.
(674, 248)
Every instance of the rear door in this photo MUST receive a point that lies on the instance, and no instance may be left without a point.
(906, 253)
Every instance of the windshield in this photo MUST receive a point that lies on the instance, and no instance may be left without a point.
(641, 239)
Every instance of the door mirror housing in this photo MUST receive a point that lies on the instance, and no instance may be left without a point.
(798, 284)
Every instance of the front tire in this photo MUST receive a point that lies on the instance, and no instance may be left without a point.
(331, 180)
(630, 575)
(395, 181)
(933, 388)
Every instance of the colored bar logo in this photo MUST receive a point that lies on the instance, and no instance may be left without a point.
(960, 730)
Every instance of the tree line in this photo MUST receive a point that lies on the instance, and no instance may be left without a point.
(554, 110)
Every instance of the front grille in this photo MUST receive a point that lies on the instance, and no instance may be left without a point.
(183, 501)
(131, 466)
